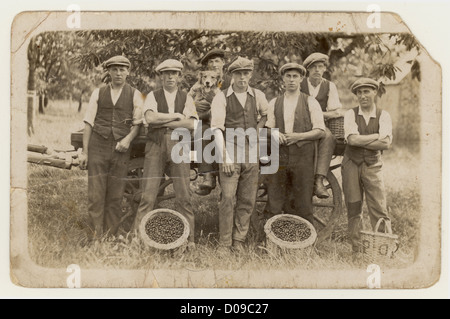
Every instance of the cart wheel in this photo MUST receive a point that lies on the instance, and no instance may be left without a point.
(258, 218)
(133, 189)
(133, 192)
(328, 211)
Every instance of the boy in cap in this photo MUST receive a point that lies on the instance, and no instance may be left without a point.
(111, 123)
(214, 60)
(164, 110)
(325, 92)
(300, 122)
(368, 131)
(237, 109)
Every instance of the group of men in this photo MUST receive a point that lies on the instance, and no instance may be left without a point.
(115, 112)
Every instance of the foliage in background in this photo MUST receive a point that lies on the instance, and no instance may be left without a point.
(69, 63)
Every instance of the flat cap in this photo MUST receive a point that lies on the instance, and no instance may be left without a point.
(211, 54)
(292, 66)
(117, 60)
(169, 65)
(315, 57)
(362, 82)
(241, 64)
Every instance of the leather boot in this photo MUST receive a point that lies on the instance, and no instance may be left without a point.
(319, 189)
(209, 183)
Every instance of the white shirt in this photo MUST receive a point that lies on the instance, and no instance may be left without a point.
(91, 110)
(189, 111)
(315, 113)
(242, 98)
(351, 128)
(333, 97)
(219, 106)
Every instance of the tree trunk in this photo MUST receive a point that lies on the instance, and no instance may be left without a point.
(80, 101)
(41, 103)
(31, 87)
(30, 101)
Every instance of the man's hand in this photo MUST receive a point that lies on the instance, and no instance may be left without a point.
(282, 137)
(228, 169)
(179, 116)
(123, 145)
(83, 158)
(291, 138)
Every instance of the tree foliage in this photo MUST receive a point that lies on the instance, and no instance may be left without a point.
(70, 63)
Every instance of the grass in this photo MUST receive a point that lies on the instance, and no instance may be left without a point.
(57, 211)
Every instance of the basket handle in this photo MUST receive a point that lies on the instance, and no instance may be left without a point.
(387, 224)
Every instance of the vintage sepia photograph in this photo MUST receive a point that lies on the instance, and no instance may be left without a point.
(224, 150)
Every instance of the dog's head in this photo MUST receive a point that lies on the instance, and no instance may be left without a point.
(208, 79)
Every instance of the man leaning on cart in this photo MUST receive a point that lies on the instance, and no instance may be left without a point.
(108, 133)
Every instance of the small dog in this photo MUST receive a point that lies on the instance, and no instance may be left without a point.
(203, 92)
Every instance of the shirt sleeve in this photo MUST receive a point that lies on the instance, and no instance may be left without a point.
(316, 114)
(218, 111)
(189, 108)
(271, 114)
(150, 104)
(91, 111)
(333, 98)
(138, 102)
(350, 126)
(261, 103)
(385, 126)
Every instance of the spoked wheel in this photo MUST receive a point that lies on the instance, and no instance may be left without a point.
(327, 211)
(133, 192)
(133, 189)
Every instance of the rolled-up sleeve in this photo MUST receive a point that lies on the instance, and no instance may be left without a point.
(138, 103)
(350, 126)
(218, 111)
(189, 108)
(91, 111)
(316, 114)
(150, 104)
(261, 103)
(385, 126)
(334, 102)
(271, 114)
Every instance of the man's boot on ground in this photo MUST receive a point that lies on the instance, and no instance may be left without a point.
(209, 183)
(319, 189)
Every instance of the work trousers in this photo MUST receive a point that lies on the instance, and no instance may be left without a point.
(295, 174)
(203, 166)
(157, 163)
(238, 194)
(357, 181)
(107, 172)
(237, 201)
(325, 153)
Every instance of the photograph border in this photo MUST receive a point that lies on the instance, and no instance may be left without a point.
(430, 143)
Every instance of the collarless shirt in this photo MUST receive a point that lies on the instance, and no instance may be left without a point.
(333, 96)
(351, 128)
(219, 105)
(290, 106)
(150, 104)
(91, 110)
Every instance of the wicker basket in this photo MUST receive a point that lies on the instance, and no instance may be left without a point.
(175, 247)
(379, 247)
(277, 245)
(336, 126)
